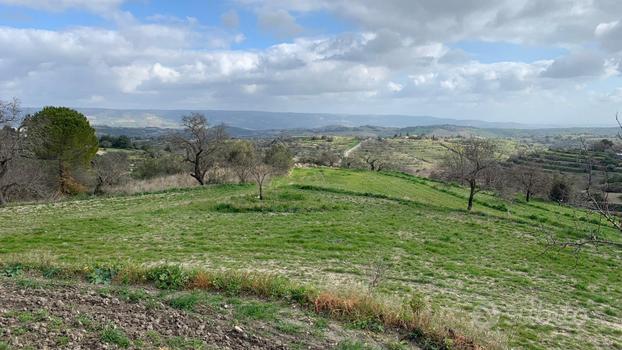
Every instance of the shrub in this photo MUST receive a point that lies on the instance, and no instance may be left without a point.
(560, 191)
(12, 270)
(102, 275)
(417, 303)
(168, 277)
(158, 166)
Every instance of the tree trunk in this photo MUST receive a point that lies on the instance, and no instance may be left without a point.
(471, 195)
(199, 179)
(528, 196)
(260, 183)
(2, 199)
(98, 186)
(62, 177)
(197, 174)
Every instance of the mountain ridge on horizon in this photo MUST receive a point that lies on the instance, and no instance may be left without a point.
(266, 120)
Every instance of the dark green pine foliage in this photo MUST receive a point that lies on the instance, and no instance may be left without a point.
(63, 135)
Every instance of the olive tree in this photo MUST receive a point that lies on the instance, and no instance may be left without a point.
(241, 158)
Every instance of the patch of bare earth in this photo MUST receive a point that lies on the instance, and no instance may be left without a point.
(42, 314)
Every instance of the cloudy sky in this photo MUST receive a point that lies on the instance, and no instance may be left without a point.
(533, 61)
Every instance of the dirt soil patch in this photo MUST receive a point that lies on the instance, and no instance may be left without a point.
(38, 313)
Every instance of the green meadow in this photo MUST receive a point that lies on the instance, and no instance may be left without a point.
(332, 228)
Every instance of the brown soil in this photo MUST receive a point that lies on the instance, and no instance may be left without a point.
(42, 314)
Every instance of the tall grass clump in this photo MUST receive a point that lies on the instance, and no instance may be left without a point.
(156, 184)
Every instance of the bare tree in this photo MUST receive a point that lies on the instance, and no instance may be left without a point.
(589, 163)
(597, 203)
(276, 160)
(200, 144)
(10, 146)
(529, 179)
(260, 173)
(469, 162)
(110, 169)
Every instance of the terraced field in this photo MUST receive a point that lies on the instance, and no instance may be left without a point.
(421, 156)
(305, 148)
(330, 227)
(572, 161)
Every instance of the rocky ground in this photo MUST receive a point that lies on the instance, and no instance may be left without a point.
(37, 313)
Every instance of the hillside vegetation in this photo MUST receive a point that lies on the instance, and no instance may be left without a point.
(331, 228)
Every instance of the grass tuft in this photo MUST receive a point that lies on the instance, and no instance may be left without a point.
(113, 335)
(184, 301)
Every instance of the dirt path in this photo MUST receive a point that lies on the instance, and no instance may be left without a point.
(349, 151)
(44, 314)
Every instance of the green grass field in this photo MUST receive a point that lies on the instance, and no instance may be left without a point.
(328, 226)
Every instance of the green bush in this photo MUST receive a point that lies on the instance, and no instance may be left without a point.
(12, 270)
(102, 275)
(155, 167)
(168, 277)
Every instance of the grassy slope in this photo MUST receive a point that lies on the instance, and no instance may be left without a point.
(489, 263)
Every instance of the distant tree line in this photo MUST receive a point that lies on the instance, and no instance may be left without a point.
(53, 153)
(121, 142)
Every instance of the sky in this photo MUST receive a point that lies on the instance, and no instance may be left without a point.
(526, 61)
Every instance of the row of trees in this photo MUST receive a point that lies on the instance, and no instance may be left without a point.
(54, 153)
(478, 164)
(475, 163)
(205, 148)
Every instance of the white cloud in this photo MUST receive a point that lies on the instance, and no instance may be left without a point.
(394, 87)
(551, 22)
(400, 59)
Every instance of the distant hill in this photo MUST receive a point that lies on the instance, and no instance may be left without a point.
(373, 131)
(257, 120)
